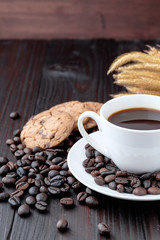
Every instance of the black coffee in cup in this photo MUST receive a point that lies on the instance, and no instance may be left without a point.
(136, 118)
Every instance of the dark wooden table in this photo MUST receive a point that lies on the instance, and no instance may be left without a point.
(35, 75)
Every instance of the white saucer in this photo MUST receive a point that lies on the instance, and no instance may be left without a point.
(75, 158)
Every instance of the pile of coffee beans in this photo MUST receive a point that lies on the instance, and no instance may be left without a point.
(39, 174)
(105, 172)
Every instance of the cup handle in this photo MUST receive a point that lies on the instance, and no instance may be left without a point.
(86, 136)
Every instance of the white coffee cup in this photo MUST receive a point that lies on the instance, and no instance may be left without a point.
(137, 151)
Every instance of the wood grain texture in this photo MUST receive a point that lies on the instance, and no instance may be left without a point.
(118, 19)
(35, 75)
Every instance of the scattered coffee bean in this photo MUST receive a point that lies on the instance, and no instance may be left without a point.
(23, 210)
(13, 147)
(41, 206)
(91, 201)
(14, 201)
(41, 197)
(4, 169)
(67, 202)
(9, 141)
(4, 196)
(81, 196)
(3, 160)
(14, 115)
(62, 225)
(33, 191)
(30, 200)
(104, 229)
(16, 132)
(8, 180)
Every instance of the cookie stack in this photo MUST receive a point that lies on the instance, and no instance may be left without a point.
(51, 127)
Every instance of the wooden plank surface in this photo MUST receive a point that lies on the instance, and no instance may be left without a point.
(35, 75)
(118, 19)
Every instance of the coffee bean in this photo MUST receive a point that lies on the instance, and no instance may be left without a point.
(88, 163)
(109, 178)
(89, 191)
(145, 176)
(27, 150)
(57, 160)
(31, 181)
(23, 210)
(21, 172)
(4, 169)
(147, 183)
(121, 180)
(71, 180)
(104, 229)
(41, 206)
(112, 185)
(14, 201)
(57, 181)
(153, 190)
(54, 167)
(8, 180)
(67, 202)
(99, 159)
(95, 173)
(33, 191)
(17, 193)
(19, 153)
(89, 152)
(108, 172)
(121, 173)
(17, 140)
(53, 173)
(39, 183)
(43, 189)
(41, 197)
(39, 176)
(10, 165)
(89, 169)
(37, 149)
(4, 196)
(65, 188)
(9, 141)
(14, 115)
(30, 200)
(135, 182)
(20, 146)
(120, 188)
(99, 165)
(99, 180)
(91, 201)
(76, 185)
(22, 186)
(81, 196)
(3, 160)
(16, 132)
(128, 189)
(62, 225)
(54, 190)
(139, 191)
(22, 179)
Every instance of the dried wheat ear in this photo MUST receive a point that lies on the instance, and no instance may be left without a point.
(138, 72)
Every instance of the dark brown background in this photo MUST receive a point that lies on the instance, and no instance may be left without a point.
(48, 19)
